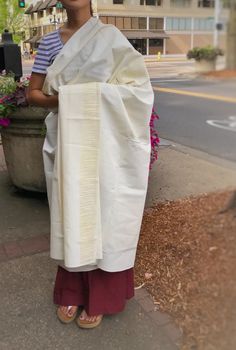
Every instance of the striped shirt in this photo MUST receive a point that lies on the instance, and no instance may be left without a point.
(48, 49)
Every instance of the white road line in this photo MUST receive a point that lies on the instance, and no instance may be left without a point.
(226, 124)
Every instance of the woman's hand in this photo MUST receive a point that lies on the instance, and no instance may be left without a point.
(36, 97)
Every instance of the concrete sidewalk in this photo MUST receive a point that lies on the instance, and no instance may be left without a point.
(182, 171)
(27, 318)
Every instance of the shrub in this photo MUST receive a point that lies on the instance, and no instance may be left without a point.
(207, 53)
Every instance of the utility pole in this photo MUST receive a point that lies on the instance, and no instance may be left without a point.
(217, 23)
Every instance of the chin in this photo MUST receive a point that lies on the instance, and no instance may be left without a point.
(75, 4)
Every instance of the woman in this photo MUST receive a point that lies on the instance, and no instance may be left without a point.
(96, 159)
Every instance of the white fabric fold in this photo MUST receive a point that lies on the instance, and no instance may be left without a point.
(97, 172)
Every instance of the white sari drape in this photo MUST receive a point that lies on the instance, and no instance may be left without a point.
(97, 149)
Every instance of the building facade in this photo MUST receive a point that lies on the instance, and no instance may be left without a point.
(152, 26)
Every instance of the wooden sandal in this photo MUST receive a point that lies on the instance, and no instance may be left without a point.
(89, 324)
(66, 317)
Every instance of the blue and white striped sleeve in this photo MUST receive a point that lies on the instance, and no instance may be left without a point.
(42, 58)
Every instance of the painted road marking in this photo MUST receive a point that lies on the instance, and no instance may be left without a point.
(227, 124)
(196, 94)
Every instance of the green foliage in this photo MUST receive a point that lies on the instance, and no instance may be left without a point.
(7, 84)
(208, 53)
(11, 17)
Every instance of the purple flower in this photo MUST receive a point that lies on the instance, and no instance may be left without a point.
(5, 122)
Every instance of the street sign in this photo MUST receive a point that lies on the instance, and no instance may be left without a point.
(21, 3)
(59, 5)
(219, 26)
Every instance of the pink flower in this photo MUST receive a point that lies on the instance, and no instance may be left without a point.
(154, 139)
(5, 122)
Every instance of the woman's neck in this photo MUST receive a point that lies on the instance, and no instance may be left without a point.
(77, 19)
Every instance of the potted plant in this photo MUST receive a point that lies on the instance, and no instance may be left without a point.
(205, 57)
(22, 131)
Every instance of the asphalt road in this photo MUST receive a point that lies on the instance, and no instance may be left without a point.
(198, 113)
(194, 112)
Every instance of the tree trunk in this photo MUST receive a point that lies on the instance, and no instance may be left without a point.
(231, 37)
(231, 204)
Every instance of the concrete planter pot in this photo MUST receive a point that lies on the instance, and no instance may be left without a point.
(203, 66)
(22, 145)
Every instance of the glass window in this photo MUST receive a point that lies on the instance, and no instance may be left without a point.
(111, 20)
(181, 23)
(210, 24)
(134, 22)
(142, 23)
(178, 23)
(120, 22)
(180, 3)
(206, 3)
(175, 23)
(150, 2)
(127, 23)
(117, 1)
(169, 23)
(188, 24)
(103, 19)
(156, 42)
(204, 24)
(156, 23)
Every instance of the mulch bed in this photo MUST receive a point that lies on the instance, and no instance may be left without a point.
(187, 261)
(222, 74)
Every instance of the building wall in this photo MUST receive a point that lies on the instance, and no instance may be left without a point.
(186, 25)
(178, 44)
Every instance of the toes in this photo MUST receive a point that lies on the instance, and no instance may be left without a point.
(83, 315)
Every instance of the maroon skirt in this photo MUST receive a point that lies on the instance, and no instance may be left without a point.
(98, 291)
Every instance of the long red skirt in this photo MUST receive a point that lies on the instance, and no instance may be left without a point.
(98, 291)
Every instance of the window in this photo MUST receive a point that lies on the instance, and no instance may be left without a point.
(156, 23)
(151, 2)
(206, 3)
(178, 23)
(180, 3)
(134, 22)
(127, 23)
(142, 23)
(203, 24)
(111, 20)
(120, 22)
(118, 2)
(40, 14)
(103, 19)
(49, 11)
(156, 42)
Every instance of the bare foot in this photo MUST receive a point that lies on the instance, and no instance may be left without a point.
(68, 311)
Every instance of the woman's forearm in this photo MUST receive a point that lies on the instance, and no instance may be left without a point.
(38, 98)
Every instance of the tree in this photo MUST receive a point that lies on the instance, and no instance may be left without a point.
(12, 18)
(231, 35)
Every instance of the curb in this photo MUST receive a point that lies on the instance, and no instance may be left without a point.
(161, 319)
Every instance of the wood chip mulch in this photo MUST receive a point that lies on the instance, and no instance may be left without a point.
(187, 260)
(222, 74)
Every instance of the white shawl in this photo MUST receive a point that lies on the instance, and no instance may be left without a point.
(97, 149)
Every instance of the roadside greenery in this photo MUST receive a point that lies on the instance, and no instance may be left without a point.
(12, 18)
(208, 53)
